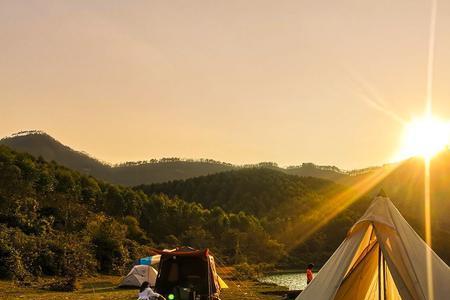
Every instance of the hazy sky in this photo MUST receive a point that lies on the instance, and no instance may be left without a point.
(237, 81)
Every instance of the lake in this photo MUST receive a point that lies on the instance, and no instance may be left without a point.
(293, 281)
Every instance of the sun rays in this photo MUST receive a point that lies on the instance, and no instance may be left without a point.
(429, 100)
(335, 205)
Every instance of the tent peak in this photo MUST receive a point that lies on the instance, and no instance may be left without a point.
(382, 193)
(378, 212)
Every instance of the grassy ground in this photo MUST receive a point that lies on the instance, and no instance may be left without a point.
(248, 290)
(103, 287)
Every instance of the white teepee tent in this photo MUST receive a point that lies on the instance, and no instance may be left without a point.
(382, 258)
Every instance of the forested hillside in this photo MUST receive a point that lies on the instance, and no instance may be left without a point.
(287, 205)
(284, 203)
(55, 221)
(46, 209)
(73, 223)
(259, 191)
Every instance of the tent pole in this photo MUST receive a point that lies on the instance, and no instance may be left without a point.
(384, 278)
(379, 272)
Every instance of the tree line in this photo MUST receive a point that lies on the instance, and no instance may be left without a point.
(55, 221)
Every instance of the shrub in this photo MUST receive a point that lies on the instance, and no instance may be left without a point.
(245, 271)
(58, 254)
(65, 284)
(11, 264)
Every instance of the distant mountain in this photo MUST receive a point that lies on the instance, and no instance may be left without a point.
(165, 170)
(39, 143)
(311, 170)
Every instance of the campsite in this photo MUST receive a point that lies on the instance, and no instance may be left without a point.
(224, 150)
(380, 258)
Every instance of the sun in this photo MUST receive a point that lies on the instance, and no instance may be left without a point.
(425, 136)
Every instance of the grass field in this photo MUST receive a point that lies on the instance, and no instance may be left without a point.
(103, 287)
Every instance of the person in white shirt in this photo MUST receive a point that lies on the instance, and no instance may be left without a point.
(146, 293)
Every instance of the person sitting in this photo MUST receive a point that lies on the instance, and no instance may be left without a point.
(146, 293)
(309, 273)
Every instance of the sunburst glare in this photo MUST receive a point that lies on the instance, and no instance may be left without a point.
(425, 136)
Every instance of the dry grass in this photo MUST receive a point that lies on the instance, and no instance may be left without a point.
(103, 287)
(248, 290)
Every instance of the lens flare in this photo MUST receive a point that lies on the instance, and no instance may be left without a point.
(425, 137)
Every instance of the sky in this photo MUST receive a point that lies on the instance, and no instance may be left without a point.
(238, 81)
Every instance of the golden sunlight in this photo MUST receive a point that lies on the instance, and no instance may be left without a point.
(425, 137)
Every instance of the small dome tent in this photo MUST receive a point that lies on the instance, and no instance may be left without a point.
(382, 258)
(138, 275)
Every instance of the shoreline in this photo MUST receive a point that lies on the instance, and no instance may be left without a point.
(287, 271)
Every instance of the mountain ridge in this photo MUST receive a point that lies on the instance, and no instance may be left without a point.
(39, 143)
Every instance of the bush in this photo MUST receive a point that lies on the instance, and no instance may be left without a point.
(57, 254)
(66, 284)
(246, 271)
(78, 259)
(11, 263)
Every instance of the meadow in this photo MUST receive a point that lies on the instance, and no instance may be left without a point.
(104, 287)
